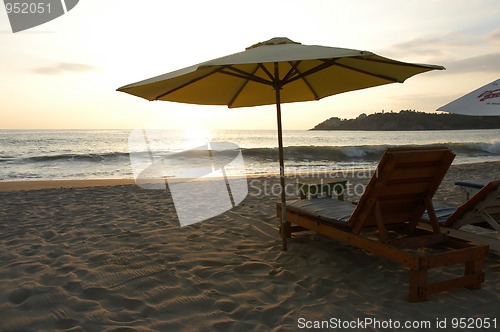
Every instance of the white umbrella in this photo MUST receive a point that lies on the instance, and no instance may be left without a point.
(483, 101)
(274, 72)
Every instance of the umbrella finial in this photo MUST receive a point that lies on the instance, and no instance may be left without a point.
(274, 41)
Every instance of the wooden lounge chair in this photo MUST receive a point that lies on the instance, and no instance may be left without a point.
(482, 207)
(385, 220)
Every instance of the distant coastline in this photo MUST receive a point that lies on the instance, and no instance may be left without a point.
(410, 120)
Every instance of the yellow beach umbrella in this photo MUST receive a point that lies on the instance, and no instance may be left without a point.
(274, 72)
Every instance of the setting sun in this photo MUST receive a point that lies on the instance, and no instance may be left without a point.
(198, 135)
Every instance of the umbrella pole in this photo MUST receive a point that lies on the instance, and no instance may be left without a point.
(283, 225)
(284, 228)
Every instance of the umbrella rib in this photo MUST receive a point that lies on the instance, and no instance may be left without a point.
(268, 73)
(243, 74)
(194, 80)
(325, 64)
(230, 104)
(405, 64)
(316, 97)
(387, 78)
(292, 70)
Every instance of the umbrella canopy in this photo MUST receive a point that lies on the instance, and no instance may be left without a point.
(249, 78)
(274, 72)
(484, 101)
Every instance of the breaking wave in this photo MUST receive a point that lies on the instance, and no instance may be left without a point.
(291, 153)
(362, 152)
(87, 157)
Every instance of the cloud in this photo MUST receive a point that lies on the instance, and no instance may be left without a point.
(458, 52)
(425, 102)
(486, 63)
(493, 36)
(426, 47)
(64, 67)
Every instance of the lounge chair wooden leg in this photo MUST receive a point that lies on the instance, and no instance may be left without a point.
(286, 232)
(475, 268)
(418, 283)
(285, 229)
(491, 221)
(432, 215)
(288, 229)
(380, 224)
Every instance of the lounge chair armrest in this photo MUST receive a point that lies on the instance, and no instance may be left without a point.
(469, 184)
(468, 188)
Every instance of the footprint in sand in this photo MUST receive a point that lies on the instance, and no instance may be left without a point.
(66, 324)
(252, 267)
(94, 293)
(225, 305)
(73, 286)
(49, 234)
(19, 295)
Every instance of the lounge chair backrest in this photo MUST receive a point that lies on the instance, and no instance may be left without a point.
(488, 197)
(397, 191)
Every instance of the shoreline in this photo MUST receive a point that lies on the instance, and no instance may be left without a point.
(12, 186)
(27, 185)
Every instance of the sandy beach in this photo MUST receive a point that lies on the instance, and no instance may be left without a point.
(111, 256)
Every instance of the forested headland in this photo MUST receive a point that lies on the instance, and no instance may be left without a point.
(411, 120)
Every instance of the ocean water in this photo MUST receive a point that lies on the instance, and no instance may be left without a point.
(104, 154)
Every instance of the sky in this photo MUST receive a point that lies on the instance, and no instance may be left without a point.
(64, 74)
